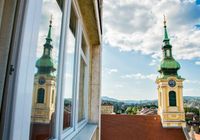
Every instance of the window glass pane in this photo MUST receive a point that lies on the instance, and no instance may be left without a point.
(82, 84)
(40, 95)
(44, 86)
(172, 98)
(69, 71)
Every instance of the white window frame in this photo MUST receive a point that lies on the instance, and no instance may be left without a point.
(86, 79)
(25, 73)
(66, 132)
(76, 127)
(20, 123)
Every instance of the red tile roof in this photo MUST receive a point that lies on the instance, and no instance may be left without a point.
(137, 127)
(197, 136)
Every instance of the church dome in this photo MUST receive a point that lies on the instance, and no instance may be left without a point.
(45, 62)
(169, 64)
(45, 65)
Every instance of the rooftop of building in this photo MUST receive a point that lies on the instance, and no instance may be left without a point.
(137, 127)
(147, 111)
(197, 136)
(106, 104)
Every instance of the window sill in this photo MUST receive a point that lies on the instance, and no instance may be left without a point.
(86, 133)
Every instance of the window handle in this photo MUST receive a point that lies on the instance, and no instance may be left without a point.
(11, 69)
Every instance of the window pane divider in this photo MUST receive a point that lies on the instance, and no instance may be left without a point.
(62, 58)
(86, 90)
(77, 74)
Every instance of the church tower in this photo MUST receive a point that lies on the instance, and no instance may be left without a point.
(170, 87)
(43, 103)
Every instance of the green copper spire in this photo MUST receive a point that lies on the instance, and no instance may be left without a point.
(48, 39)
(168, 66)
(45, 63)
(166, 38)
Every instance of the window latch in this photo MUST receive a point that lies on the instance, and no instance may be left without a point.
(11, 69)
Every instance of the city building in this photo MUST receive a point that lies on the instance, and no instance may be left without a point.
(137, 127)
(170, 88)
(43, 103)
(147, 111)
(107, 109)
(53, 91)
(50, 91)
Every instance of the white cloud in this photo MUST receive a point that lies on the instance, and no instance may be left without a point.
(153, 62)
(106, 72)
(119, 86)
(140, 76)
(110, 71)
(192, 81)
(188, 90)
(197, 62)
(50, 8)
(134, 25)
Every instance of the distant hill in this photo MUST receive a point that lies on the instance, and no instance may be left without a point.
(105, 98)
(190, 101)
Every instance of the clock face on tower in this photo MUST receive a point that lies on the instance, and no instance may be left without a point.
(41, 80)
(172, 83)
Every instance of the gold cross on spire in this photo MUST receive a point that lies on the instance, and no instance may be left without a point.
(51, 17)
(164, 20)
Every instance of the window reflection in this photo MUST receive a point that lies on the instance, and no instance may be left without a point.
(44, 93)
(40, 95)
(69, 71)
(82, 84)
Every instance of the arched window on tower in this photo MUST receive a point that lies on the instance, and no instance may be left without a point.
(172, 98)
(52, 99)
(40, 95)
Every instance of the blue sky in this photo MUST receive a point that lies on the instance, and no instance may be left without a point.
(132, 39)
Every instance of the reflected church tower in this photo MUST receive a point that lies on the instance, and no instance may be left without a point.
(44, 93)
(170, 88)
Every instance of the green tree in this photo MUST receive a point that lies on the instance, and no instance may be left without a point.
(131, 110)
